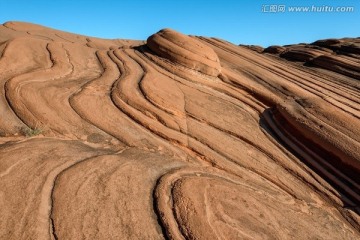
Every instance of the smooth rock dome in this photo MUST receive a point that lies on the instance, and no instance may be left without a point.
(185, 50)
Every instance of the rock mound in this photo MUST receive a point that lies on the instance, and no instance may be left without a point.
(337, 55)
(274, 49)
(185, 50)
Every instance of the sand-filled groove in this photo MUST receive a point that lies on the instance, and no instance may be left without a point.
(179, 137)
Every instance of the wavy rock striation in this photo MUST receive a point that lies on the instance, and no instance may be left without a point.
(185, 51)
(180, 137)
(338, 55)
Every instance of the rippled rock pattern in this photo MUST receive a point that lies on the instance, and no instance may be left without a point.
(338, 55)
(181, 137)
(186, 51)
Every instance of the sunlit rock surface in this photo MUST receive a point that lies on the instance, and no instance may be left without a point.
(178, 137)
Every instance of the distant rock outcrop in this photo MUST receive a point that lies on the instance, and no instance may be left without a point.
(338, 55)
(274, 49)
(185, 50)
(338, 64)
(301, 54)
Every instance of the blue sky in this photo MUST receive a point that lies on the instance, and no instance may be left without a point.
(238, 21)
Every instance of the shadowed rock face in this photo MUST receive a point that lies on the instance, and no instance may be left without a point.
(338, 55)
(118, 139)
(274, 49)
(185, 51)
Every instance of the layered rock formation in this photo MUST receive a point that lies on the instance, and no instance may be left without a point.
(177, 138)
(186, 51)
(338, 55)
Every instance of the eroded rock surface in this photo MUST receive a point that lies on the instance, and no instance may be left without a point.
(179, 138)
(185, 51)
(338, 55)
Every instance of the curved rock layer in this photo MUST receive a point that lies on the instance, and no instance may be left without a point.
(185, 51)
(338, 55)
(115, 139)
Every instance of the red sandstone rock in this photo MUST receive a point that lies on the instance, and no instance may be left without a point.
(185, 51)
(104, 139)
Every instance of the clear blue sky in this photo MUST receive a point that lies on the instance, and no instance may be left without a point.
(238, 21)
